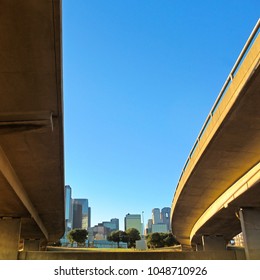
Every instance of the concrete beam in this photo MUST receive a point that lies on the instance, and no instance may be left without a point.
(250, 224)
(31, 245)
(198, 246)
(238, 188)
(12, 178)
(217, 158)
(9, 238)
(213, 243)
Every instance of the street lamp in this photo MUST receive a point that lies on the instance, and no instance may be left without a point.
(143, 222)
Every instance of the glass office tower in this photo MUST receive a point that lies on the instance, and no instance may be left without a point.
(133, 221)
(85, 217)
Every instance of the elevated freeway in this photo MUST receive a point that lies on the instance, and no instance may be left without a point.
(31, 125)
(218, 194)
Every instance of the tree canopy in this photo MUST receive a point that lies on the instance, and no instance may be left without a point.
(133, 235)
(118, 236)
(78, 235)
(158, 240)
(129, 236)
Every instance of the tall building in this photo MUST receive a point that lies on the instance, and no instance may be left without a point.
(89, 217)
(165, 216)
(149, 226)
(77, 215)
(115, 221)
(156, 216)
(133, 221)
(68, 209)
(102, 230)
(159, 228)
(160, 221)
(112, 225)
(68, 213)
(85, 217)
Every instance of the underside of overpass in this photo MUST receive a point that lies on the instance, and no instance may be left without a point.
(227, 148)
(31, 120)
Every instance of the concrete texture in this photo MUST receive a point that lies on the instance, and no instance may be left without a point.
(250, 220)
(31, 117)
(216, 255)
(9, 238)
(227, 149)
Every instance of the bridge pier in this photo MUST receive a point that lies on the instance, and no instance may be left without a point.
(31, 245)
(10, 229)
(213, 242)
(199, 247)
(34, 245)
(250, 224)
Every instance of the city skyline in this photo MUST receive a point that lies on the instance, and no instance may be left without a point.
(140, 79)
(74, 219)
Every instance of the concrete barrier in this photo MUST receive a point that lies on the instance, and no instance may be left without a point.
(138, 255)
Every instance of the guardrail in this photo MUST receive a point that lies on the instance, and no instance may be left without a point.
(223, 90)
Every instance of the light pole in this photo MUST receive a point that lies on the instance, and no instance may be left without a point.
(143, 222)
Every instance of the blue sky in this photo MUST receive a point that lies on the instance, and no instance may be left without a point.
(140, 77)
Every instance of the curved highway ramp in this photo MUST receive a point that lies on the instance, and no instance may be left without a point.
(218, 194)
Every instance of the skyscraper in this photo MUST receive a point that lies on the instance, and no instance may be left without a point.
(68, 209)
(77, 215)
(89, 217)
(133, 221)
(160, 221)
(156, 216)
(165, 216)
(116, 222)
(102, 230)
(112, 225)
(85, 217)
(149, 226)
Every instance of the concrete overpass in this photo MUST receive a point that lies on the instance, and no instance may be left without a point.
(218, 194)
(31, 125)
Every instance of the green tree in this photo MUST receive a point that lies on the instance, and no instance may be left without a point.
(78, 235)
(133, 235)
(118, 236)
(154, 240)
(158, 240)
(170, 240)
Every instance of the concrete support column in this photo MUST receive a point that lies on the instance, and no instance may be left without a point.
(9, 238)
(31, 245)
(199, 247)
(43, 245)
(213, 243)
(250, 224)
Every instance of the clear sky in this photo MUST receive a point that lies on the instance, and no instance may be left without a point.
(140, 78)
